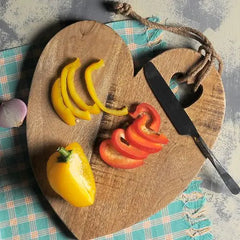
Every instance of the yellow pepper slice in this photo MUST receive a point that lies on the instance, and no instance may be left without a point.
(76, 112)
(57, 101)
(73, 93)
(93, 94)
(70, 175)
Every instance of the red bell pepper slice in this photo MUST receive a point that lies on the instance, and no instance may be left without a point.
(141, 128)
(123, 147)
(145, 108)
(140, 142)
(113, 158)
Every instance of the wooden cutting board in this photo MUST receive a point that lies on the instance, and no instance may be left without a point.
(123, 197)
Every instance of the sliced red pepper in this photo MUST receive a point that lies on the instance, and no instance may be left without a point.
(120, 143)
(140, 126)
(140, 142)
(145, 108)
(113, 158)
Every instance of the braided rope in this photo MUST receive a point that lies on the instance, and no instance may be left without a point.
(198, 72)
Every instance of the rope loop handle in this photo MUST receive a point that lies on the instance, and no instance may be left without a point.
(196, 74)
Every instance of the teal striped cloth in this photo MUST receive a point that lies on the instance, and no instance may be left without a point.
(24, 212)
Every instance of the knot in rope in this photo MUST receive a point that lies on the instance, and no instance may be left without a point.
(122, 8)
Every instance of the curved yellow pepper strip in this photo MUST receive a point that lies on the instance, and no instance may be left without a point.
(93, 94)
(73, 93)
(57, 101)
(76, 112)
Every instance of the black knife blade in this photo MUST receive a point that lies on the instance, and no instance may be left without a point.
(181, 121)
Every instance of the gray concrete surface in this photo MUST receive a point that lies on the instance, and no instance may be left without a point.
(22, 20)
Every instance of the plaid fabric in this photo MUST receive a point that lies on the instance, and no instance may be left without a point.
(176, 221)
(24, 212)
(143, 43)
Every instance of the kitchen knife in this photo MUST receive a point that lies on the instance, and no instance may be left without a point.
(181, 120)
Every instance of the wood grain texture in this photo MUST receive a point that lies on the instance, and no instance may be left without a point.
(123, 197)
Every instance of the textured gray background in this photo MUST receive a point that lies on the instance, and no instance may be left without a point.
(24, 21)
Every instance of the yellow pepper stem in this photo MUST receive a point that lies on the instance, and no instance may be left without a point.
(65, 155)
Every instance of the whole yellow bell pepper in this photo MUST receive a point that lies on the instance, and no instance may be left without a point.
(69, 174)
(92, 91)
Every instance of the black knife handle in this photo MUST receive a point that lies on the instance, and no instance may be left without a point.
(230, 183)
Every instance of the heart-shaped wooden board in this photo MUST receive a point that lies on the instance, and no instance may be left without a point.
(123, 197)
